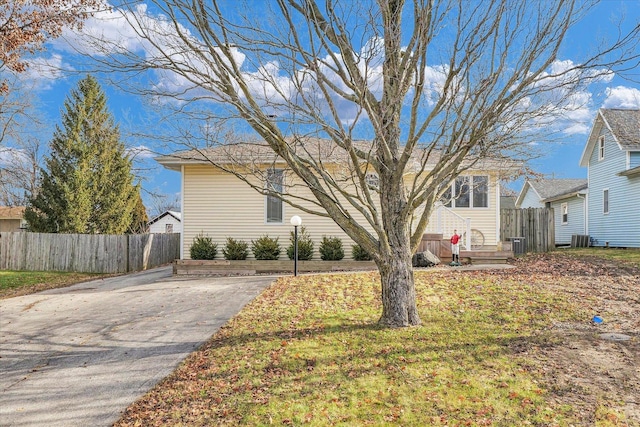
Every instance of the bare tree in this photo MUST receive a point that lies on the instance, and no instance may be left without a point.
(413, 91)
(19, 167)
(20, 147)
(161, 203)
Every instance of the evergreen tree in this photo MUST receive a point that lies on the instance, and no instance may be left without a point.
(87, 185)
(140, 218)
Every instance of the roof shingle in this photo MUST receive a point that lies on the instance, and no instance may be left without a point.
(548, 188)
(625, 125)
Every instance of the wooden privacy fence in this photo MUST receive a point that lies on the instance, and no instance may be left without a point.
(536, 225)
(87, 253)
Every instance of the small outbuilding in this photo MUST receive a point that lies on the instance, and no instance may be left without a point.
(167, 222)
(12, 218)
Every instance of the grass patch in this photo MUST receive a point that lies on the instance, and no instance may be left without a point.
(308, 351)
(628, 256)
(13, 283)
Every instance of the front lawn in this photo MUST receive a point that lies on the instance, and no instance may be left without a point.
(499, 348)
(629, 256)
(14, 283)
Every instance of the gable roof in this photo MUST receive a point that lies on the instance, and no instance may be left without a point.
(624, 125)
(318, 149)
(12, 212)
(176, 215)
(552, 189)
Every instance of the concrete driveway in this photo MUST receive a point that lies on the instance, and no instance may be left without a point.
(78, 356)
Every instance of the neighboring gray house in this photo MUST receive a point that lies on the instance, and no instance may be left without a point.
(167, 222)
(612, 156)
(507, 202)
(567, 197)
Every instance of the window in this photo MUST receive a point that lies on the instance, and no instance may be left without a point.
(168, 228)
(469, 191)
(372, 180)
(274, 208)
(480, 191)
(605, 201)
(462, 196)
(564, 208)
(601, 148)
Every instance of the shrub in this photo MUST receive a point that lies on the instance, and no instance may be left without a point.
(331, 249)
(305, 245)
(265, 248)
(235, 249)
(203, 247)
(359, 254)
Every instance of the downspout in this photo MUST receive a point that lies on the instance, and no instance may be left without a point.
(585, 212)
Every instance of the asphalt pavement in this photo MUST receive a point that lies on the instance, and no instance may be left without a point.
(79, 356)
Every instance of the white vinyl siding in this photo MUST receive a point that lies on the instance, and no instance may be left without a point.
(620, 226)
(219, 205)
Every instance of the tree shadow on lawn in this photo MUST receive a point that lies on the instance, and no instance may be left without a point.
(354, 342)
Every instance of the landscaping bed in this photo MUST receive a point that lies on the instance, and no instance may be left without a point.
(205, 267)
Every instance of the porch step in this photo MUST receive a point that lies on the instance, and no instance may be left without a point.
(488, 260)
(486, 256)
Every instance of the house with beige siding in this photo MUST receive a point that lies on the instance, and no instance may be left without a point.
(12, 218)
(222, 196)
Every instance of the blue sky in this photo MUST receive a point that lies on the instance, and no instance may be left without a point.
(55, 71)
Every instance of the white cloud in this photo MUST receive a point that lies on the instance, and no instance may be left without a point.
(42, 72)
(10, 156)
(107, 28)
(622, 97)
(141, 153)
(564, 98)
(567, 107)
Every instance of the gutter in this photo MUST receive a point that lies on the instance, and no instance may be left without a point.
(563, 196)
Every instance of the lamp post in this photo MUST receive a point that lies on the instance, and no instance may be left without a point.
(295, 221)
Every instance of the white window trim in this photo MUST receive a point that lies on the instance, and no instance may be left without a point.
(564, 207)
(453, 192)
(608, 199)
(488, 193)
(266, 203)
(601, 144)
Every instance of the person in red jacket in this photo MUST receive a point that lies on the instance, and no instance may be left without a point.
(455, 247)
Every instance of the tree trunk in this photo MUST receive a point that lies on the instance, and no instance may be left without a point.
(398, 289)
